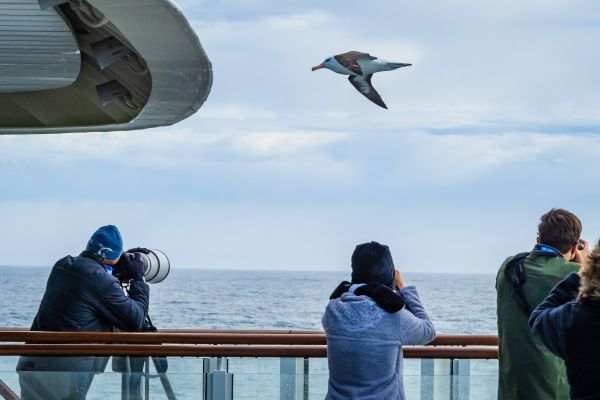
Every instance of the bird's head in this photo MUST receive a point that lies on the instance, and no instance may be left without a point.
(324, 64)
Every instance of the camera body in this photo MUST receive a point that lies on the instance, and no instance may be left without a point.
(156, 266)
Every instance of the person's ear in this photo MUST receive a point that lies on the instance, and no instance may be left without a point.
(537, 240)
(574, 248)
(572, 252)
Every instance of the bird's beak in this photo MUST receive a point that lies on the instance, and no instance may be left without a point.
(318, 67)
(404, 65)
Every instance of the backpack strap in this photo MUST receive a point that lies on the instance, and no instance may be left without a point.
(515, 275)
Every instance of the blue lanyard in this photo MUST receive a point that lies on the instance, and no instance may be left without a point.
(107, 268)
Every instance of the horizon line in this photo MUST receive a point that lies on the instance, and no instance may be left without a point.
(276, 270)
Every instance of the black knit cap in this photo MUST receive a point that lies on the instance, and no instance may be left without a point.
(372, 262)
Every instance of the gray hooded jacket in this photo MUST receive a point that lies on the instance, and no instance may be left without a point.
(364, 345)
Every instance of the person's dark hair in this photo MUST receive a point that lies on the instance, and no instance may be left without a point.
(560, 229)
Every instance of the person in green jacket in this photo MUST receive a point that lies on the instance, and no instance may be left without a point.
(527, 369)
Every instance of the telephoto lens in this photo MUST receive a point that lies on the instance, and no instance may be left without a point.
(156, 265)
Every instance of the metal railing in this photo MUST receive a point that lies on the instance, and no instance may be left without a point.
(444, 369)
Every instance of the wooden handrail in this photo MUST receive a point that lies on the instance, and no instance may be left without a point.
(104, 350)
(218, 343)
(213, 337)
(158, 338)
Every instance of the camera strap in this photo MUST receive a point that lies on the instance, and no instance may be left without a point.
(148, 326)
(516, 277)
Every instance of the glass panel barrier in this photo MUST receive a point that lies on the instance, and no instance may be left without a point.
(252, 379)
(484, 379)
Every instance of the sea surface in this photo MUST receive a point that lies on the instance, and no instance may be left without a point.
(227, 299)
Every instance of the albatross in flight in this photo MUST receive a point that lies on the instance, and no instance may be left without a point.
(360, 67)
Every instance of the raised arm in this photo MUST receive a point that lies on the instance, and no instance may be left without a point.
(549, 320)
(125, 312)
(414, 323)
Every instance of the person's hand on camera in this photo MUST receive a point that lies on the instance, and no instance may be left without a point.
(118, 270)
(398, 279)
(581, 256)
(138, 250)
(133, 266)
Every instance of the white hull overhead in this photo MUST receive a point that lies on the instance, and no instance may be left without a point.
(98, 65)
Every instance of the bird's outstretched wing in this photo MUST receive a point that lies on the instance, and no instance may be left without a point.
(366, 56)
(363, 85)
(350, 60)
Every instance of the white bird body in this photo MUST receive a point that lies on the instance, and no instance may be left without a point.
(335, 66)
(378, 65)
(360, 67)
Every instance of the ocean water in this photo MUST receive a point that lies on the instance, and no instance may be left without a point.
(211, 299)
(227, 299)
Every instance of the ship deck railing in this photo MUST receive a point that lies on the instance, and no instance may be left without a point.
(249, 364)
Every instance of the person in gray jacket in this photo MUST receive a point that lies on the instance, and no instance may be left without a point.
(364, 341)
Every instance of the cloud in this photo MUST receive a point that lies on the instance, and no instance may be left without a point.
(269, 158)
(267, 197)
(300, 161)
(233, 112)
(454, 158)
(176, 144)
(291, 22)
(279, 144)
(474, 64)
(405, 161)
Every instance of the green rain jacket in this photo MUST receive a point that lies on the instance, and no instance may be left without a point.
(527, 369)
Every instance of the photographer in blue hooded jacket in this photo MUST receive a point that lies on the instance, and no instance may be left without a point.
(366, 323)
(82, 295)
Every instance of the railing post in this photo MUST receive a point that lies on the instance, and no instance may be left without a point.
(461, 376)
(445, 379)
(147, 379)
(218, 382)
(125, 378)
(293, 378)
(435, 379)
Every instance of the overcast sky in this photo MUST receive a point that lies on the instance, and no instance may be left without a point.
(496, 122)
